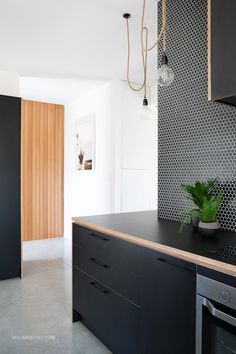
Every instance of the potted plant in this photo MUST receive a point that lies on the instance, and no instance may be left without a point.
(207, 204)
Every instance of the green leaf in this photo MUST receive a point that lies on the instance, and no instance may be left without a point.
(204, 197)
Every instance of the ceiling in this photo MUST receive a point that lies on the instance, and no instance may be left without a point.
(73, 38)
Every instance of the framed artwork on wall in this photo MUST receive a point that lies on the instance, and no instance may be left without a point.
(85, 143)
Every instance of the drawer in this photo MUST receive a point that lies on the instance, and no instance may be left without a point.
(114, 320)
(151, 258)
(109, 273)
(90, 239)
(115, 251)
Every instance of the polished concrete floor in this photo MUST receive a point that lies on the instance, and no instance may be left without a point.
(35, 312)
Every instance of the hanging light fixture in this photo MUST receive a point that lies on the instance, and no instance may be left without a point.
(165, 75)
(146, 111)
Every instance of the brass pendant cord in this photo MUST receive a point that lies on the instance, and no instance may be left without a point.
(144, 46)
(144, 59)
(163, 28)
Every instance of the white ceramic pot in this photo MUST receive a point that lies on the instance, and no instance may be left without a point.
(209, 228)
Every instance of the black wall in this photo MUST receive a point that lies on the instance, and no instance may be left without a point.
(10, 242)
(197, 139)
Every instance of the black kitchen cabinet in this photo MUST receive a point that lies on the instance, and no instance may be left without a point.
(109, 260)
(222, 51)
(168, 304)
(135, 300)
(10, 236)
(113, 319)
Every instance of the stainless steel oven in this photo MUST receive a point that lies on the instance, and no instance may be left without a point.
(215, 317)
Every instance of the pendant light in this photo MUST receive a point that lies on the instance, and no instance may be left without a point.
(146, 111)
(165, 73)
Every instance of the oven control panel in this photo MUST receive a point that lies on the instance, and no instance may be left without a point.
(216, 291)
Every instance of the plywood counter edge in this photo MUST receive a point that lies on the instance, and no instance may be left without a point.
(175, 252)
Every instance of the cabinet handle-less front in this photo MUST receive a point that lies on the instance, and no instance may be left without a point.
(219, 314)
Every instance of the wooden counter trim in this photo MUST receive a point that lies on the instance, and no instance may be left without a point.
(184, 255)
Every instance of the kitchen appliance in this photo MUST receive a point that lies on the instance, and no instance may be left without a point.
(215, 316)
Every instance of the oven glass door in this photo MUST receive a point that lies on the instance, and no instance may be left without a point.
(218, 336)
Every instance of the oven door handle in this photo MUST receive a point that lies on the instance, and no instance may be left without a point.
(219, 314)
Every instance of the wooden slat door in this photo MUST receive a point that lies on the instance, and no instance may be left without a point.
(42, 170)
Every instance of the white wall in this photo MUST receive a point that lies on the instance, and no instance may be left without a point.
(125, 175)
(139, 154)
(51, 90)
(9, 83)
(92, 192)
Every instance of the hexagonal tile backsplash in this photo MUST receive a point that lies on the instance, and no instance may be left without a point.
(197, 139)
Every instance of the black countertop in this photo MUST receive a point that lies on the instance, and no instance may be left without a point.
(147, 226)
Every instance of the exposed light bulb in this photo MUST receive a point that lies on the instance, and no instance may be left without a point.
(146, 111)
(165, 75)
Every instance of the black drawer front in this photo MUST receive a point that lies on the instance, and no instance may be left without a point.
(90, 239)
(113, 320)
(150, 258)
(115, 251)
(113, 275)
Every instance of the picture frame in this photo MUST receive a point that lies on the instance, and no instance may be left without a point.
(85, 143)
